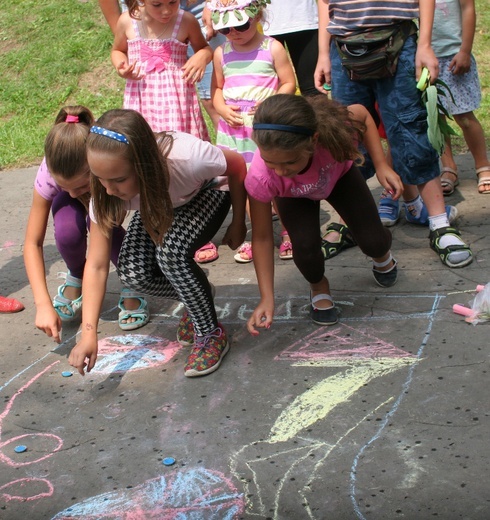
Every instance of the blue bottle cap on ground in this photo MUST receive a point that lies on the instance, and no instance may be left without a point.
(66, 374)
(20, 449)
(168, 461)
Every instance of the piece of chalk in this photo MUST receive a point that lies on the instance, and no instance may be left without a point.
(461, 309)
(66, 374)
(480, 288)
(168, 461)
(20, 449)
(327, 87)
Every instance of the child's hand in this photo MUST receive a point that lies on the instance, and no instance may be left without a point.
(193, 70)
(231, 114)
(235, 235)
(390, 181)
(81, 351)
(49, 322)
(460, 64)
(133, 71)
(261, 318)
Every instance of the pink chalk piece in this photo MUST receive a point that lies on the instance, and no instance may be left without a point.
(461, 309)
(480, 288)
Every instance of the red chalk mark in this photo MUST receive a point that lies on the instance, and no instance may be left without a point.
(23, 483)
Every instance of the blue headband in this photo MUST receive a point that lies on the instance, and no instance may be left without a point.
(293, 129)
(109, 133)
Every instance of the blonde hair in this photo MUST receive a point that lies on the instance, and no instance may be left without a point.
(337, 131)
(65, 144)
(147, 152)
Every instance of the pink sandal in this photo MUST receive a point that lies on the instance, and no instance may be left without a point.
(208, 247)
(244, 249)
(286, 248)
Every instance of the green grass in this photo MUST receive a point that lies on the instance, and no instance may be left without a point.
(55, 53)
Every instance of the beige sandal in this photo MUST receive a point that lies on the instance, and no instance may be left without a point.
(485, 182)
(448, 185)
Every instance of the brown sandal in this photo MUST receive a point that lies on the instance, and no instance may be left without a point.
(485, 182)
(449, 185)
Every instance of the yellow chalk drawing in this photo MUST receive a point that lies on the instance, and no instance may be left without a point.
(317, 402)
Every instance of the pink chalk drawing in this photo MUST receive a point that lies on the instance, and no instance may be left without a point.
(27, 489)
(29, 484)
(133, 352)
(317, 346)
(191, 494)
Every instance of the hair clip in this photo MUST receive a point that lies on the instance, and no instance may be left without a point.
(72, 119)
(110, 134)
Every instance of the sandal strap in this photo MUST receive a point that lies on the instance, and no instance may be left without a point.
(343, 231)
(483, 169)
(384, 263)
(447, 169)
(126, 292)
(320, 297)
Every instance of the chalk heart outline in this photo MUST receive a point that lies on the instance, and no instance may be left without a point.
(132, 352)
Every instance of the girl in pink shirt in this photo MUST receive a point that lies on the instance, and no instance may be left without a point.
(307, 150)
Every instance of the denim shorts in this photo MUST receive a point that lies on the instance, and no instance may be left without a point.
(401, 109)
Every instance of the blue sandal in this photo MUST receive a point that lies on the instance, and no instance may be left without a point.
(141, 314)
(70, 308)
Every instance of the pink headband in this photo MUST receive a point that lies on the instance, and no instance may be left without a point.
(72, 119)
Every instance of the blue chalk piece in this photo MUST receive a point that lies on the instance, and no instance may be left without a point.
(20, 449)
(168, 461)
(66, 374)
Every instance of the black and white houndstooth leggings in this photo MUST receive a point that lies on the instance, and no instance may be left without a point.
(168, 270)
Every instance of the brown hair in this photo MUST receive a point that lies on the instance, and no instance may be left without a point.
(148, 154)
(337, 131)
(65, 144)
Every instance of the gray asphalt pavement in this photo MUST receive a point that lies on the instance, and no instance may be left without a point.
(383, 416)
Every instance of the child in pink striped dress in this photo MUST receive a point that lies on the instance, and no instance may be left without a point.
(150, 52)
(248, 68)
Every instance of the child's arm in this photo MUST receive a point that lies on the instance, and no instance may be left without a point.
(229, 113)
(425, 56)
(95, 274)
(284, 69)
(119, 53)
(263, 251)
(461, 63)
(111, 11)
(388, 178)
(47, 318)
(194, 68)
(236, 170)
(323, 68)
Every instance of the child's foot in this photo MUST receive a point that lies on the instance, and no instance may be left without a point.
(452, 251)
(449, 180)
(134, 311)
(207, 253)
(244, 253)
(285, 249)
(388, 210)
(68, 301)
(385, 272)
(483, 175)
(323, 310)
(207, 353)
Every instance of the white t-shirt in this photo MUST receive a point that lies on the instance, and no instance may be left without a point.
(289, 16)
(192, 164)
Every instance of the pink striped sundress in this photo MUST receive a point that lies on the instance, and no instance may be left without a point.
(163, 97)
(249, 77)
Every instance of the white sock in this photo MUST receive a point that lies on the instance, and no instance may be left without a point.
(414, 207)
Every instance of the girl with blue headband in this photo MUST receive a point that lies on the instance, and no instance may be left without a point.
(170, 180)
(307, 152)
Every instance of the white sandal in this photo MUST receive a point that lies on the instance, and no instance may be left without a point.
(448, 185)
(485, 181)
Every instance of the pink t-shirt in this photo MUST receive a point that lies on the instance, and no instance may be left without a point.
(44, 184)
(192, 164)
(316, 183)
